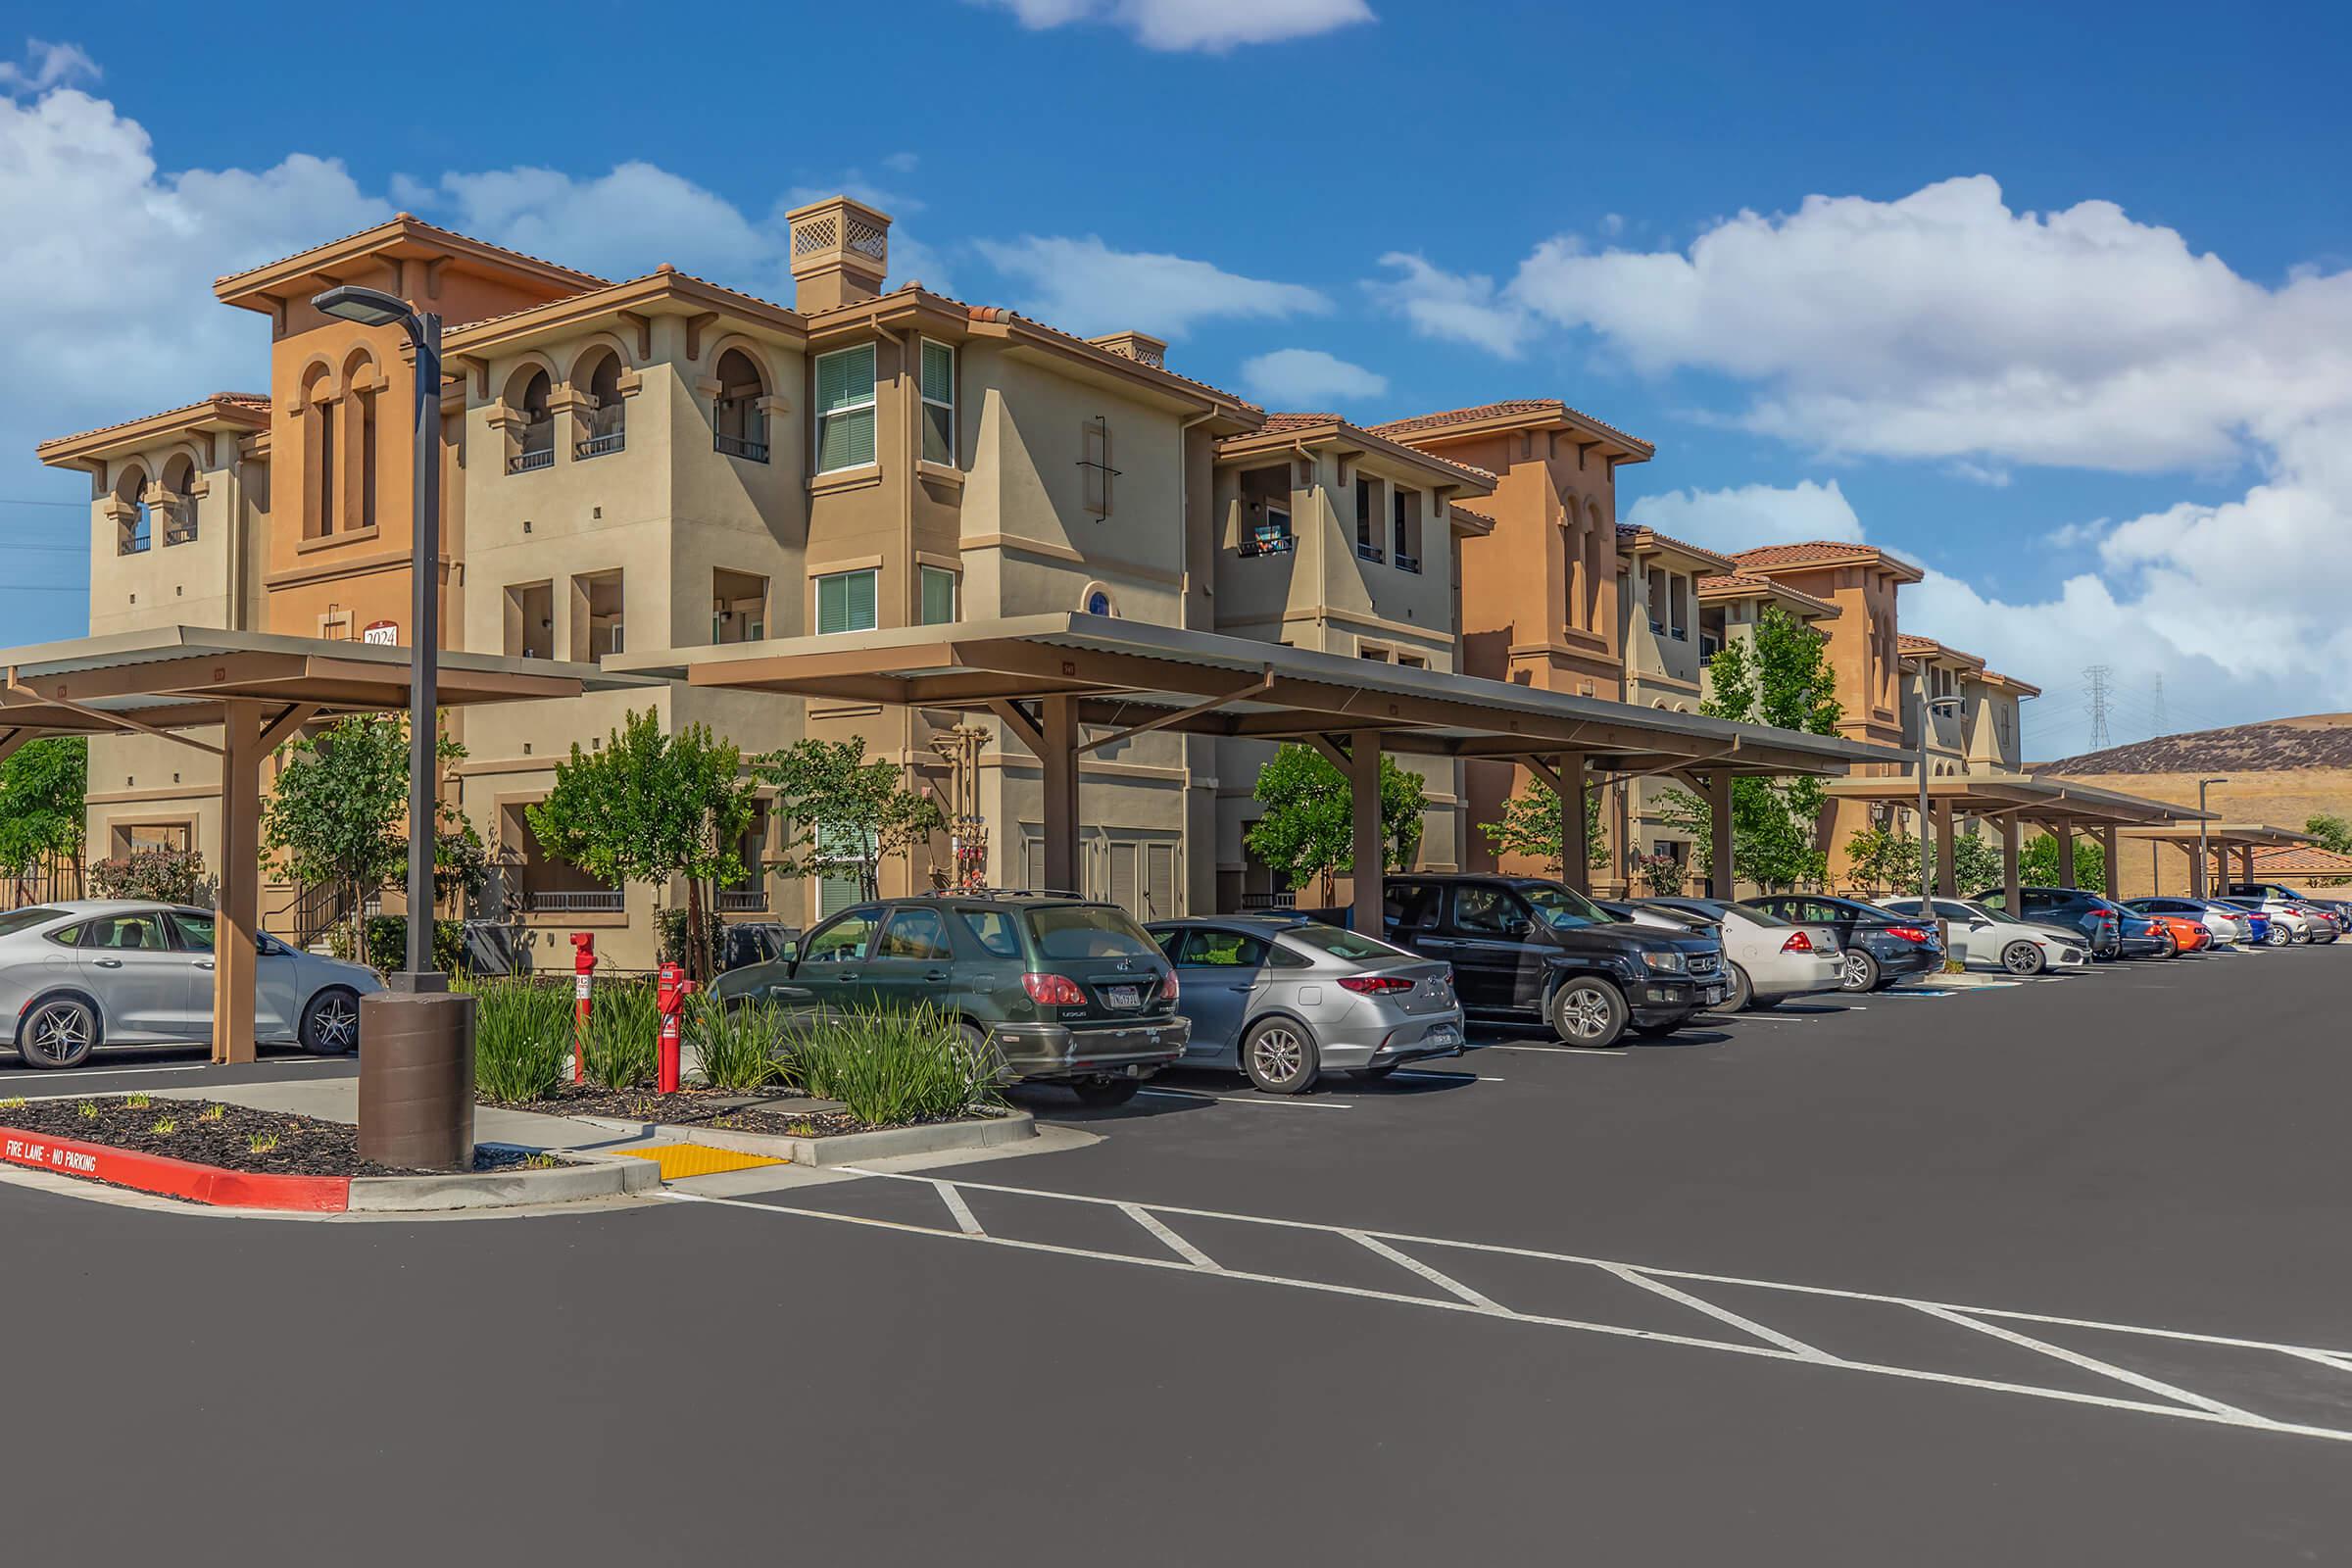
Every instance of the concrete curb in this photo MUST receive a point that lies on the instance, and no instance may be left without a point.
(586, 1175)
(842, 1149)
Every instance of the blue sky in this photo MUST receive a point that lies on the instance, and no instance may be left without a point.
(2054, 307)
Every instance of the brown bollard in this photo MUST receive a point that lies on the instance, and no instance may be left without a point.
(416, 1079)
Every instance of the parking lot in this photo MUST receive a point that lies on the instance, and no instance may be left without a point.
(2037, 1271)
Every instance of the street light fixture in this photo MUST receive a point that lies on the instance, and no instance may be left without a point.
(2204, 866)
(1928, 708)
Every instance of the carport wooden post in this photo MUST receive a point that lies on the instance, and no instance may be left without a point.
(2115, 859)
(1059, 759)
(237, 919)
(1946, 877)
(1722, 874)
(1576, 827)
(2009, 877)
(2245, 863)
(2065, 832)
(1363, 789)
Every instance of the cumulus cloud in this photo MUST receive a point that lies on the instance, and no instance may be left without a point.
(1211, 25)
(1746, 515)
(1298, 378)
(1464, 307)
(1082, 285)
(47, 65)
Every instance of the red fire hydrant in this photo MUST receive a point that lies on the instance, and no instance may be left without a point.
(583, 975)
(670, 998)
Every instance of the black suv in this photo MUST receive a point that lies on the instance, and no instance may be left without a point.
(1523, 946)
(2068, 910)
(1061, 990)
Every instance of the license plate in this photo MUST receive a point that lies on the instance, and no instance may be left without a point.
(1122, 997)
(1444, 1034)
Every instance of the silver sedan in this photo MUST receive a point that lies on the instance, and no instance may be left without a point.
(1285, 999)
(79, 976)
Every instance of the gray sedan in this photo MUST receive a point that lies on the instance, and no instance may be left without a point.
(79, 976)
(1283, 999)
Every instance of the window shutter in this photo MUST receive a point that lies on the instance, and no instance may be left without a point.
(861, 600)
(1122, 876)
(844, 378)
(939, 595)
(1159, 881)
(848, 441)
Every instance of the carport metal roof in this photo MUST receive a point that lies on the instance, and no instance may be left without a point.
(2022, 795)
(2217, 833)
(1133, 677)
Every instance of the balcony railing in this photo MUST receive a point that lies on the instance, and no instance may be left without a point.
(1405, 563)
(743, 901)
(575, 900)
(1371, 552)
(740, 446)
(1287, 899)
(607, 431)
(1269, 541)
(538, 448)
(1681, 634)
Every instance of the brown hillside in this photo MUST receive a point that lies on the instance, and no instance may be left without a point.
(2279, 744)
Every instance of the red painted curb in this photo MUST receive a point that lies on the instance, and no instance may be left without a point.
(174, 1178)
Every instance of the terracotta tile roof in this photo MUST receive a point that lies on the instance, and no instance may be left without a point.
(1289, 423)
(1928, 646)
(1424, 424)
(2023, 688)
(2307, 859)
(1628, 532)
(666, 270)
(1740, 585)
(1484, 521)
(1821, 552)
(257, 401)
(412, 221)
(1276, 422)
(1000, 314)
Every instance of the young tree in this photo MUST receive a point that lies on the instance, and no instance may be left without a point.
(44, 788)
(647, 807)
(1531, 826)
(1785, 681)
(1882, 862)
(338, 810)
(2333, 832)
(844, 814)
(1309, 830)
(2037, 863)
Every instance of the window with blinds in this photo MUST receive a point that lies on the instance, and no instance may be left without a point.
(939, 595)
(939, 403)
(842, 882)
(844, 409)
(844, 601)
(1095, 464)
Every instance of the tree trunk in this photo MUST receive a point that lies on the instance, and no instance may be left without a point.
(698, 948)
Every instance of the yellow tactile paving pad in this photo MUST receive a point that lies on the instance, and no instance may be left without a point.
(679, 1161)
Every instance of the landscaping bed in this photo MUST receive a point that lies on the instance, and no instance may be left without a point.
(236, 1138)
(730, 1111)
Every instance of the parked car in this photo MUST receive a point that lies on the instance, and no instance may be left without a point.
(2220, 922)
(1880, 948)
(2141, 936)
(1767, 959)
(1058, 990)
(2185, 933)
(85, 974)
(2325, 926)
(1983, 939)
(1285, 999)
(2289, 925)
(1527, 948)
(2306, 923)
(2099, 919)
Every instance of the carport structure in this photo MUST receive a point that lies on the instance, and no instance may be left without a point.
(257, 690)
(2220, 838)
(1050, 677)
(2008, 799)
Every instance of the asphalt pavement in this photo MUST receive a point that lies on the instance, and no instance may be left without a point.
(2037, 1273)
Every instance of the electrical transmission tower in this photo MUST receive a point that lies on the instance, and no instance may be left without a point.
(2156, 700)
(2098, 676)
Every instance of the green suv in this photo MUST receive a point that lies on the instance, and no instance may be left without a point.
(1060, 990)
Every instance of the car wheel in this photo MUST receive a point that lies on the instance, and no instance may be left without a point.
(1102, 1094)
(1280, 1057)
(57, 1032)
(1861, 972)
(1588, 1013)
(1741, 995)
(2278, 935)
(2023, 957)
(2172, 945)
(330, 1024)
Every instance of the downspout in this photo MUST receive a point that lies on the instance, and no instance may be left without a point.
(1184, 509)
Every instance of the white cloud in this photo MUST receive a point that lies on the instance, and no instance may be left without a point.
(47, 65)
(1082, 285)
(1463, 306)
(1302, 379)
(1213, 26)
(1747, 516)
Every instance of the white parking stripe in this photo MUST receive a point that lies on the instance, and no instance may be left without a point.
(1175, 1243)
(2087, 1363)
(961, 1210)
(1451, 1287)
(1743, 1325)
(1291, 1101)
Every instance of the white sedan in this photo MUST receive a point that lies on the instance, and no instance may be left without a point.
(1986, 939)
(1771, 959)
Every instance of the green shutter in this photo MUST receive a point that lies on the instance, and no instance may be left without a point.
(844, 378)
(832, 606)
(939, 595)
(845, 441)
(860, 586)
(844, 409)
(939, 372)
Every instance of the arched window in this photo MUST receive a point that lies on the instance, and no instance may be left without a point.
(739, 423)
(180, 505)
(531, 441)
(604, 419)
(320, 488)
(133, 526)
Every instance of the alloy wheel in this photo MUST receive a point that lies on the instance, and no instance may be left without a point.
(1586, 1013)
(1278, 1053)
(336, 1023)
(59, 1033)
(1857, 971)
(2021, 957)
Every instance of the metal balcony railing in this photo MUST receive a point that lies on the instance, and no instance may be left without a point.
(1371, 552)
(740, 446)
(530, 458)
(1405, 563)
(742, 900)
(1287, 899)
(575, 900)
(607, 432)
(1269, 542)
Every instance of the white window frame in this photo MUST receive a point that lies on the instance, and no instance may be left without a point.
(922, 577)
(816, 590)
(871, 404)
(954, 373)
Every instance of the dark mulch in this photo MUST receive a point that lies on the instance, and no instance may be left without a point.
(305, 1145)
(693, 1107)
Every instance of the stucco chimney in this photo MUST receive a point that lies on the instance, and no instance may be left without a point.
(840, 253)
(1141, 347)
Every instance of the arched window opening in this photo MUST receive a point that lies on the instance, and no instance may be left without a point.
(133, 524)
(739, 423)
(604, 417)
(178, 505)
(532, 443)
(368, 447)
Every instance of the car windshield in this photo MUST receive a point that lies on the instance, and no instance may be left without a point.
(1563, 908)
(1089, 931)
(17, 920)
(1349, 945)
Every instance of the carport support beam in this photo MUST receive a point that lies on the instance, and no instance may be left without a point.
(1721, 873)
(2115, 862)
(1059, 755)
(1945, 878)
(1363, 789)
(2009, 876)
(2245, 863)
(2064, 831)
(237, 921)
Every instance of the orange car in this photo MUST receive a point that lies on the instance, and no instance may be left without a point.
(2188, 936)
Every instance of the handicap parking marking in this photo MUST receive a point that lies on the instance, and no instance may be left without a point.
(1430, 1261)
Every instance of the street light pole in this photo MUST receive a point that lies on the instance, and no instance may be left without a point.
(425, 657)
(2203, 888)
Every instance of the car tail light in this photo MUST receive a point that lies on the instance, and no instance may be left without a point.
(1172, 989)
(1053, 990)
(1375, 985)
(1797, 942)
(1909, 933)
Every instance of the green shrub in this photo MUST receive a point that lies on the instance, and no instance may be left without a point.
(893, 1066)
(388, 943)
(621, 1036)
(737, 1049)
(671, 924)
(522, 1038)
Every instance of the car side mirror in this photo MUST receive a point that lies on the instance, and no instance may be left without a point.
(1979, 923)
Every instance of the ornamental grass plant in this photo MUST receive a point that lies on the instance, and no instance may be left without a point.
(893, 1066)
(522, 1038)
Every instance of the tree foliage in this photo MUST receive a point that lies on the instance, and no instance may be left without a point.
(2333, 832)
(1886, 861)
(44, 788)
(1784, 681)
(2037, 863)
(167, 876)
(650, 806)
(845, 816)
(1531, 826)
(1308, 829)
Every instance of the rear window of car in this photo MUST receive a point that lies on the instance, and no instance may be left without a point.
(17, 920)
(992, 930)
(1763, 917)
(1089, 931)
(1351, 946)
